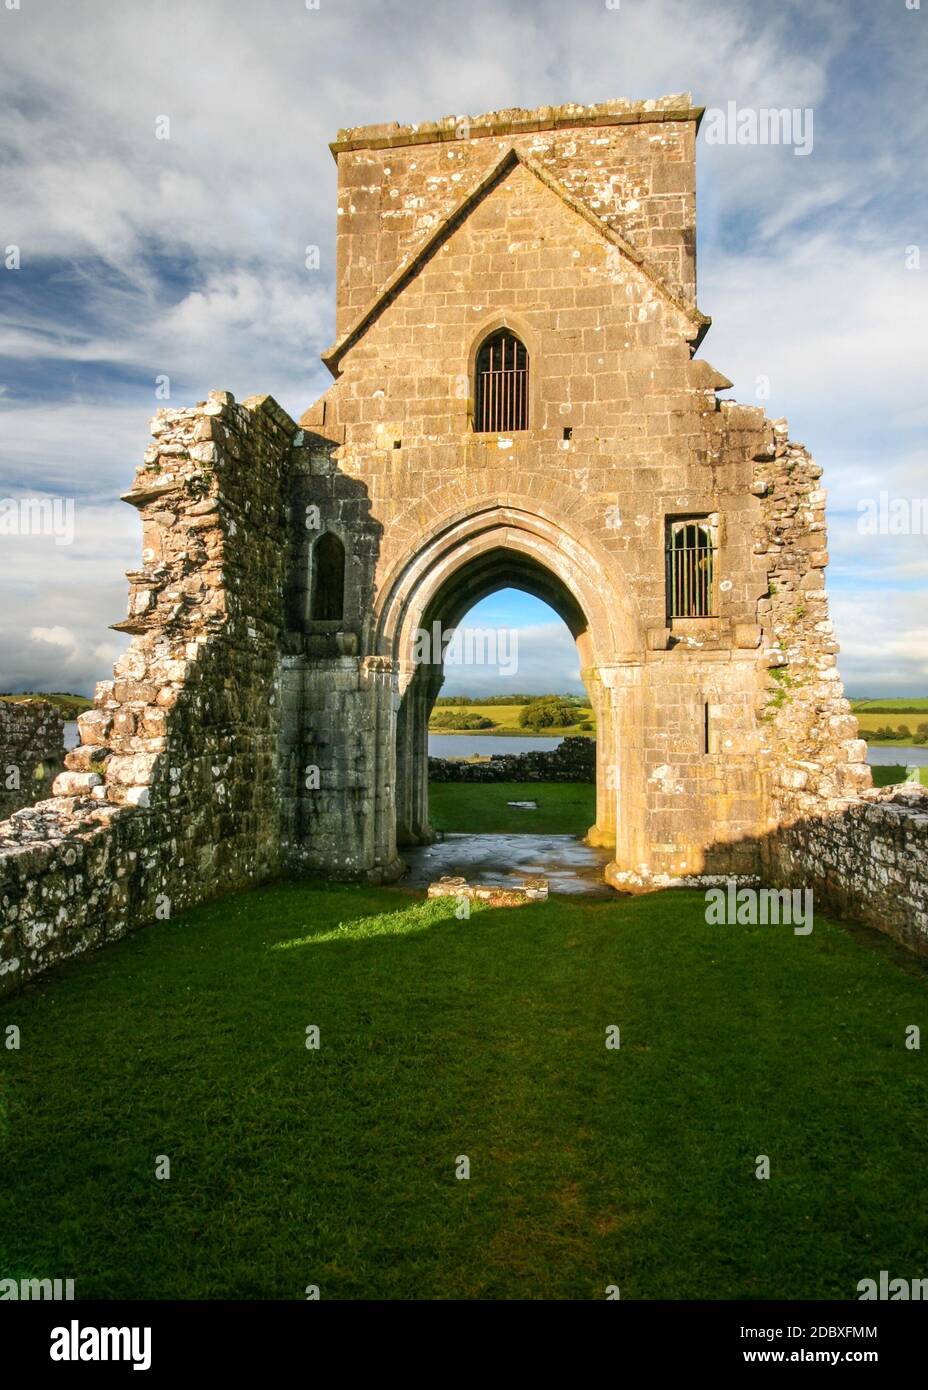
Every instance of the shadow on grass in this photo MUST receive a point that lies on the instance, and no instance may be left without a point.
(483, 1038)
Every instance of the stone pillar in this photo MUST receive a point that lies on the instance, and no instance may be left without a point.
(421, 684)
(602, 832)
(623, 789)
(380, 680)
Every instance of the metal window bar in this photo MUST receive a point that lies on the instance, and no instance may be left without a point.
(501, 395)
(691, 570)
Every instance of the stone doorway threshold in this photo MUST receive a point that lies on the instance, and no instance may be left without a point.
(569, 865)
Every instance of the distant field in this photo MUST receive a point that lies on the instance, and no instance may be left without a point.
(871, 721)
(872, 715)
(69, 705)
(506, 721)
(905, 705)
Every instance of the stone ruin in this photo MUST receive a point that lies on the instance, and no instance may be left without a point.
(271, 713)
(31, 752)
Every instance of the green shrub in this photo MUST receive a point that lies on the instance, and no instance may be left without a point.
(458, 719)
(547, 713)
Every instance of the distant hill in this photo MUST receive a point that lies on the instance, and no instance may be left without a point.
(70, 706)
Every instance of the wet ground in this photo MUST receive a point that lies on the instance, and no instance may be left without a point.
(569, 865)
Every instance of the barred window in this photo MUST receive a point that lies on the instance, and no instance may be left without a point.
(501, 385)
(691, 548)
(328, 579)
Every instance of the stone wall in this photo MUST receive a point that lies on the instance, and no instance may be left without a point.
(863, 852)
(31, 752)
(574, 760)
(173, 795)
(813, 758)
(867, 861)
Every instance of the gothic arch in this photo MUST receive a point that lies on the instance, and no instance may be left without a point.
(517, 528)
(466, 558)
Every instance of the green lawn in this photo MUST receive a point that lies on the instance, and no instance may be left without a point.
(564, 808)
(483, 1038)
(889, 775)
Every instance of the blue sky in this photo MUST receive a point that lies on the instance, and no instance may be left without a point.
(142, 257)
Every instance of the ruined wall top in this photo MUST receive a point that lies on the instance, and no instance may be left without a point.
(631, 165)
(516, 120)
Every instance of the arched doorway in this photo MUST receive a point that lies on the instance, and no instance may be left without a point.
(458, 564)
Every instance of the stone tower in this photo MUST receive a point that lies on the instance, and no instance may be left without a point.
(599, 471)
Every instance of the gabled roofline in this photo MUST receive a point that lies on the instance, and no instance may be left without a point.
(518, 121)
(405, 272)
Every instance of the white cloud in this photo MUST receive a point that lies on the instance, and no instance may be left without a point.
(542, 660)
(54, 636)
(898, 660)
(186, 256)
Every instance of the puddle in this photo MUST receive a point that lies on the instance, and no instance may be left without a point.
(569, 865)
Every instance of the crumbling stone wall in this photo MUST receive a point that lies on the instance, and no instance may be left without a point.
(863, 852)
(866, 859)
(814, 758)
(173, 795)
(31, 752)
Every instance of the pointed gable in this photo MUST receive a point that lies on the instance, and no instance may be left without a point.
(512, 160)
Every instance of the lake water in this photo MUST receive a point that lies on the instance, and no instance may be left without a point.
(569, 865)
(905, 755)
(467, 745)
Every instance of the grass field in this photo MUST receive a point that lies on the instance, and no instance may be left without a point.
(870, 723)
(485, 1038)
(506, 721)
(882, 714)
(872, 715)
(905, 703)
(889, 775)
(564, 808)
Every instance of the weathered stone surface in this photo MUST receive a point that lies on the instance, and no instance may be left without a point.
(531, 890)
(174, 793)
(31, 752)
(866, 858)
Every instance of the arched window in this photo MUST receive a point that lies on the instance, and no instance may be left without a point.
(691, 548)
(501, 385)
(327, 603)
